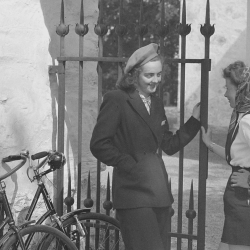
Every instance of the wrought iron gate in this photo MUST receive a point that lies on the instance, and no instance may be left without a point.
(183, 29)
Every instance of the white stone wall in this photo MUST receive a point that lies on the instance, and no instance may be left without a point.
(228, 44)
(28, 93)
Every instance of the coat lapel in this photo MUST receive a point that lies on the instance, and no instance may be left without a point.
(138, 105)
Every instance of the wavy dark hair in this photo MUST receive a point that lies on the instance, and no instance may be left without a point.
(128, 81)
(234, 72)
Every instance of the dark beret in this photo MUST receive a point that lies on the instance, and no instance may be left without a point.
(141, 56)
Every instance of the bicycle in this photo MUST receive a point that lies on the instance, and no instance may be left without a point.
(86, 229)
(28, 236)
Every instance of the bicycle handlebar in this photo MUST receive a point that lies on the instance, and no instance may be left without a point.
(13, 158)
(39, 155)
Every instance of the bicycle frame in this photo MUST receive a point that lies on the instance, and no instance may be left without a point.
(51, 212)
(76, 224)
(9, 218)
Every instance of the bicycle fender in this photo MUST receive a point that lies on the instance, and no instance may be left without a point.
(77, 211)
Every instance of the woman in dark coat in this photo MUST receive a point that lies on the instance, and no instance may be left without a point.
(131, 128)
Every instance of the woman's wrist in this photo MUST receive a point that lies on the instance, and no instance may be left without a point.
(211, 146)
(248, 181)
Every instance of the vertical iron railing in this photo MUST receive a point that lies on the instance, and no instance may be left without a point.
(101, 30)
(121, 31)
(191, 214)
(62, 30)
(207, 30)
(183, 29)
(141, 30)
(80, 29)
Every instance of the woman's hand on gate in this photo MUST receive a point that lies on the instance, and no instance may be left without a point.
(240, 178)
(206, 136)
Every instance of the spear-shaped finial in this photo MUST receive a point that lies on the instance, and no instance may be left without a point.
(100, 29)
(81, 29)
(191, 197)
(81, 13)
(184, 28)
(62, 29)
(121, 29)
(184, 16)
(121, 12)
(191, 213)
(108, 189)
(207, 29)
(207, 19)
(88, 202)
(62, 12)
(108, 203)
(163, 29)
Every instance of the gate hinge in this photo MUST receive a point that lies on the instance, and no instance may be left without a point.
(56, 69)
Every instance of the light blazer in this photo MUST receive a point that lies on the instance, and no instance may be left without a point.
(128, 138)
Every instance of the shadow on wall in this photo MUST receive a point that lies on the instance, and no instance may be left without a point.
(20, 138)
(13, 177)
(54, 50)
(51, 13)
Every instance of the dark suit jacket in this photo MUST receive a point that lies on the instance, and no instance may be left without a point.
(128, 138)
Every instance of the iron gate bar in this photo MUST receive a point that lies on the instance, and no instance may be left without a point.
(191, 214)
(203, 156)
(120, 33)
(185, 236)
(182, 111)
(95, 59)
(62, 30)
(140, 24)
(58, 198)
(80, 107)
(162, 32)
(100, 32)
(121, 59)
(162, 35)
(207, 30)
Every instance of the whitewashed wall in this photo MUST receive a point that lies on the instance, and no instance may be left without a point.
(228, 44)
(28, 106)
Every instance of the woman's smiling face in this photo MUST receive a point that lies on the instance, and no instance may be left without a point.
(149, 77)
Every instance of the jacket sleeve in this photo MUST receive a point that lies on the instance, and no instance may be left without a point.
(101, 144)
(172, 143)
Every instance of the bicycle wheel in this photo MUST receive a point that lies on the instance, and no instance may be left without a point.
(101, 232)
(40, 237)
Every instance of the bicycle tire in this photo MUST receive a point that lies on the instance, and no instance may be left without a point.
(43, 238)
(102, 231)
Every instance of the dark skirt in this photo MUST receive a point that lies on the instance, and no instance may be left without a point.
(236, 229)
